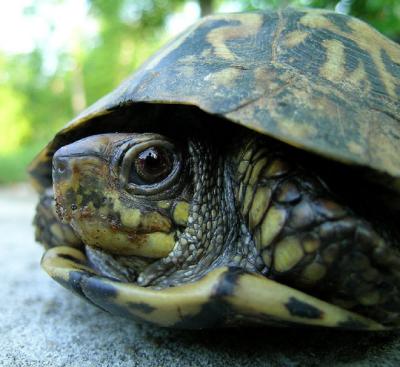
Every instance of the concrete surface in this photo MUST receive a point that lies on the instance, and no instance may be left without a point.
(41, 324)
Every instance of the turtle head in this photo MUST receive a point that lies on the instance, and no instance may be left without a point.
(125, 194)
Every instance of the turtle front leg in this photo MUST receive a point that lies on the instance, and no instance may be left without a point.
(49, 231)
(311, 240)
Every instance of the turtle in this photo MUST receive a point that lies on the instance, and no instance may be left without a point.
(247, 174)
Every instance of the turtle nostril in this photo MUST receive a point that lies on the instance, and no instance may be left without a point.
(60, 166)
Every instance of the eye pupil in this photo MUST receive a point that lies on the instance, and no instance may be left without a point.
(152, 165)
(151, 160)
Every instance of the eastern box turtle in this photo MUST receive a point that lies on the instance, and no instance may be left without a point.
(249, 172)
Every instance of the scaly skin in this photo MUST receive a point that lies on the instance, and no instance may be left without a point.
(312, 241)
(248, 204)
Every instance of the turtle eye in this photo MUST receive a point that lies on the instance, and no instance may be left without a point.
(151, 165)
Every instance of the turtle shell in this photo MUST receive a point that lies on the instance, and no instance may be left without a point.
(320, 81)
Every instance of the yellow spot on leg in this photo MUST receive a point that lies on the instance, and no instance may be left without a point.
(242, 168)
(276, 168)
(310, 244)
(312, 273)
(256, 170)
(248, 197)
(267, 258)
(260, 205)
(272, 225)
(288, 253)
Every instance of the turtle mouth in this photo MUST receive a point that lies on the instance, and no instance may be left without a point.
(120, 267)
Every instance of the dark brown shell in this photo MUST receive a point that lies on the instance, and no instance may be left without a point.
(321, 81)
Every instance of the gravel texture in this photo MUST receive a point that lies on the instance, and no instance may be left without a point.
(41, 324)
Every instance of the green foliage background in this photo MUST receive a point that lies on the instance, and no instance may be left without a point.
(34, 103)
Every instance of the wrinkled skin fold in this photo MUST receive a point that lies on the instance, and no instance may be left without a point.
(248, 204)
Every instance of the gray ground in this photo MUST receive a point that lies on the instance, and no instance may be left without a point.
(41, 324)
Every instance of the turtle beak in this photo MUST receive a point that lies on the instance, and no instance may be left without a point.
(64, 157)
(75, 166)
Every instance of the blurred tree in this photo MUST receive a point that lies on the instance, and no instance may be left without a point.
(206, 7)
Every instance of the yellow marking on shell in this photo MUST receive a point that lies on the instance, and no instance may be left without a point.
(369, 40)
(250, 25)
(333, 69)
(259, 296)
(267, 82)
(358, 75)
(260, 204)
(206, 53)
(295, 128)
(373, 42)
(313, 273)
(255, 172)
(294, 38)
(181, 213)
(317, 20)
(287, 254)
(355, 148)
(188, 71)
(272, 225)
(225, 77)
